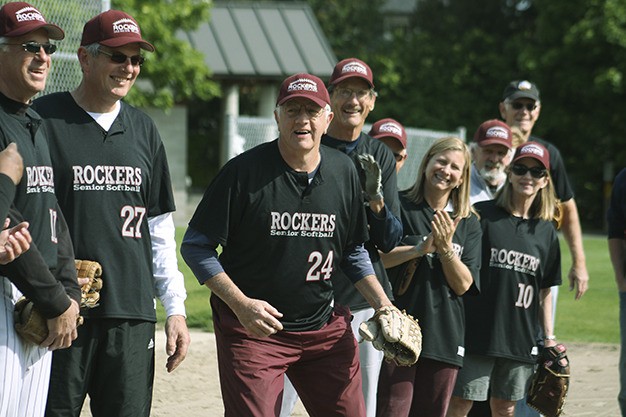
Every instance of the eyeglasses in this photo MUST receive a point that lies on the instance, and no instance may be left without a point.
(346, 93)
(535, 172)
(293, 110)
(35, 47)
(518, 106)
(120, 58)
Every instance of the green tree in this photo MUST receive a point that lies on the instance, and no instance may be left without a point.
(176, 72)
(449, 67)
(580, 60)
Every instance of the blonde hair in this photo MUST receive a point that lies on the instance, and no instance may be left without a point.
(518, 137)
(460, 194)
(544, 206)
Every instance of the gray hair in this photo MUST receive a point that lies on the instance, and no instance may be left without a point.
(4, 42)
(92, 48)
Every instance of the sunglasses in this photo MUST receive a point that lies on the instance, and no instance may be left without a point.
(518, 106)
(399, 157)
(35, 47)
(535, 172)
(120, 58)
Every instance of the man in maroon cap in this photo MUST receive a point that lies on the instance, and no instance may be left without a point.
(113, 182)
(352, 98)
(392, 133)
(45, 273)
(491, 153)
(287, 214)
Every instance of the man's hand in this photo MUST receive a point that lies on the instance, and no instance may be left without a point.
(178, 341)
(259, 317)
(11, 163)
(579, 280)
(62, 329)
(13, 241)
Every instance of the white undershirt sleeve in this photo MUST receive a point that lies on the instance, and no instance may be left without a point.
(169, 282)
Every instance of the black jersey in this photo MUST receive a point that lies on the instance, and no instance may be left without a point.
(385, 231)
(35, 201)
(283, 237)
(519, 258)
(562, 187)
(108, 185)
(429, 298)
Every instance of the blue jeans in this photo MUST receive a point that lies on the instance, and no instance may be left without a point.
(621, 397)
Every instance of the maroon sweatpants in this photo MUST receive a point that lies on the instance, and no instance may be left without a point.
(421, 390)
(323, 366)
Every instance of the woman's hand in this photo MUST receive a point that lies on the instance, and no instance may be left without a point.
(443, 230)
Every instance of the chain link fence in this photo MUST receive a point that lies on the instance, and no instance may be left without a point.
(71, 16)
(252, 131)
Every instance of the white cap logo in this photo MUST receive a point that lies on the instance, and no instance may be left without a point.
(303, 84)
(354, 67)
(27, 14)
(532, 149)
(524, 85)
(125, 26)
(497, 132)
(391, 128)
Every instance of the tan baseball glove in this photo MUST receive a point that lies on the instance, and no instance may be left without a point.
(29, 323)
(394, 332)
(90, 291)
(550, 382)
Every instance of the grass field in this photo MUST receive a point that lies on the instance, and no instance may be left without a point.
(594, 318)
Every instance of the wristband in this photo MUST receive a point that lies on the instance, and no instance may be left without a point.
(550, 337)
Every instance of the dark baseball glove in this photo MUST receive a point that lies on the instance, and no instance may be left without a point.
(395, 333)
(550, 382)
(90, 291)
(29, 323)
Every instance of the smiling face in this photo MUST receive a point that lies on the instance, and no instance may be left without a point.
(301, 124)
(491, 160)
(351, 101)
(444, 171)
(526, 185)
(23, 74)
(521, 113)
(107, 80)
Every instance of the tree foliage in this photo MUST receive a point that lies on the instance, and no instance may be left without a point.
(176, 72)
(450, 66)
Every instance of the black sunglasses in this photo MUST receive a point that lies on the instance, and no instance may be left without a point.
(35, 47)
(518, 106)
(120, 58)
(535, 172)
(399, 157)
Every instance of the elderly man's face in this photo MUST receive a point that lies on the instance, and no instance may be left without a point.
(23, 74)
(491, 160)
(351, 101)
(522, 113)
(301, 123)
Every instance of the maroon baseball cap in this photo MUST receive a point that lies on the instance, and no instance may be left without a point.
(351, 67)
(114, 28)
(494, 132)
(389, 128)
(18, 18)
(533, 150)
(303, 85)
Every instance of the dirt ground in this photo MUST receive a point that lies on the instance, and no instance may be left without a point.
(193, 389)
